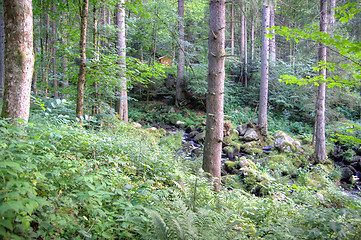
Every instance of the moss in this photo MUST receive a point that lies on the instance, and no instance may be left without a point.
(279, 158)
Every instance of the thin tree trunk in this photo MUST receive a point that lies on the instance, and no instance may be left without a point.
(252, 38)
(245, 54)
(242, 39)
(2, 42)
(262, 116)
(96, 95)
(81, 76)
(64, 64)
(215, 92)
(232, 28)
(181, 59)
(19, 60)
(55, 80)
(46, 71)
(320, 147)
(273, 39)
(122, 104)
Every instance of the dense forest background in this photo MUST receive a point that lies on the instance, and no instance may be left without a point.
(118, 139)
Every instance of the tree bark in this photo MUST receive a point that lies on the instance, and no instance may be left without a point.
(215, 92)
(320, 146)
(232, 28)
(262, 116)
(242, 39)
(181, 59)
(2, 42)
(122, 103)
(19, 60)
(81, 76)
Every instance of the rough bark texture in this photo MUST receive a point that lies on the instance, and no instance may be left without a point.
(2, 42)
(81, 76)
(181, 59)
(215, 92)
(320, 147)
(19, 61)
(272, 40)
(263, 96)
(122, 104)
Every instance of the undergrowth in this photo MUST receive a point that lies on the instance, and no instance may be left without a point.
(63, 181)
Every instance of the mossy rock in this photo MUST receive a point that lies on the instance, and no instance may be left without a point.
(279, 158)
(227, 127)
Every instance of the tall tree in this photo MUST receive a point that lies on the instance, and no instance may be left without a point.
(122, 104)
(181, 59)
(19, 60)
(84, 5)
(2, 42)
(263, 96)
(215, 92)
(320, 147)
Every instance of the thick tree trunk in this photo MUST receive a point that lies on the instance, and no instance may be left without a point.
(320, 146)
(181, 59)
(215, 92)
(81, 76)
(122, 102)
(272, 40)
(19, 60)
(263, 97)
(2, 42)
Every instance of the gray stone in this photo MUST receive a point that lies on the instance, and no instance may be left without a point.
(284, 142)
(242, 129)
(200, 137)
(171, 110)
(250, 135)
(180, 124)
(137, 125)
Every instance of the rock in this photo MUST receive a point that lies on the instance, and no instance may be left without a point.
(250, 135)
(200, 137)
(137, 125)
(152, 130)
(190, 129)
(284, 142)
(231, 152)
(171, 110)
(180, 124)
(227, 128)
(230, 166)
(346, 175)
(241, 129)
(192, 134)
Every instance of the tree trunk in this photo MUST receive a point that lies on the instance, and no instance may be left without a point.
(215, 92)
(122, 103)
(2, 42)
(242, 39)
(19, 60)
(245, 54)
(262, 116)
(96, 95)
(181, 59)
(320, 147)
(47, 59)
(273, 39)
(252, 38)
(81, 76)
(55, 80)
(232, 28)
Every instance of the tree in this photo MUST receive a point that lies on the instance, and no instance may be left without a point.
(2, 42)
(81, 77)
(263, 96)
(215, 92)
(122, 104)
(19, 60)
(181, 59)
(320, 146)
(272, 47)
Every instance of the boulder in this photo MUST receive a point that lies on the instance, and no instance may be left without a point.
(200, 137)
(250, 135)
(137, 125)
(347, 174)
(284, 142)
(242, 129)
(180, 124)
